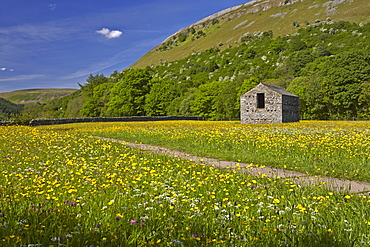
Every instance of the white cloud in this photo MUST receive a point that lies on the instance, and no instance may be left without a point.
(110, 34)
(3, 69)
(104, 31)
(114, 34)
(52, 6)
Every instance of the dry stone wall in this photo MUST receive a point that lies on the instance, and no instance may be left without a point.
(37, 122)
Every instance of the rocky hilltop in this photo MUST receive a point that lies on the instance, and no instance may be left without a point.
(256, 6)
(225, 28)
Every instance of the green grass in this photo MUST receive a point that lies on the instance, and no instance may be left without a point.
(23, 97)
(39, 95)
(65, 188)
(336, 149)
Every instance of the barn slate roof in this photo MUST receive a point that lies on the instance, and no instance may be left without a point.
(279, 90)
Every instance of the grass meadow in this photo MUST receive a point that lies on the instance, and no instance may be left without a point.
(331, 148)
(60, 186)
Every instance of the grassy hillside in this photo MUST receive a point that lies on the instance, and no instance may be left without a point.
(35, 95)
(225, 28)
(8, 108)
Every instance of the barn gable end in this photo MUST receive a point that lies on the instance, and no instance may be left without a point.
(267, 103)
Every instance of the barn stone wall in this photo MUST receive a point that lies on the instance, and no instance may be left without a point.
(272, 113)
(290, 109)
(279, 108)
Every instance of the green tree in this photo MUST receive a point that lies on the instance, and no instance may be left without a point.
(277, 46)
(227, 102)
(128, 95)
(182, 37)
(182, 105)
(348, 73)
(299, 86)
(298, 60)
(321, 50)
(75, 105)
(161, 94)
(316, 103)
(212, 66)
(364, 101)
(95, 105)
(93, 81)
(204, 102)
(247, 85)
(296, 44)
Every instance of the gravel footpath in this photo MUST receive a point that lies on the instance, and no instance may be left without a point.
(334, 184)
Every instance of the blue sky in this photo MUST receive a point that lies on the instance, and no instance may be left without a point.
(58, 43)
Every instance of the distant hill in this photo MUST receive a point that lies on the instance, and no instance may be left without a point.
(36, 95)
(226, 28)
(8, 108)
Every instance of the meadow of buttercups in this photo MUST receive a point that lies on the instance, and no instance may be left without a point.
(60, 186)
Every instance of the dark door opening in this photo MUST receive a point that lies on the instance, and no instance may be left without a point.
(260, 100)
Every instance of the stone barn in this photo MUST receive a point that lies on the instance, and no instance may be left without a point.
(267, 103)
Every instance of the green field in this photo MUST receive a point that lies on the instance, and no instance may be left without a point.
(330, 148)
(35, 95)
(59, 186)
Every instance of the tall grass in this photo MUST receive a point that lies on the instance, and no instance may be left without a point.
(65, 188)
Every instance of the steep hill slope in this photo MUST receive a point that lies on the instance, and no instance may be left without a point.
(226, 28)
